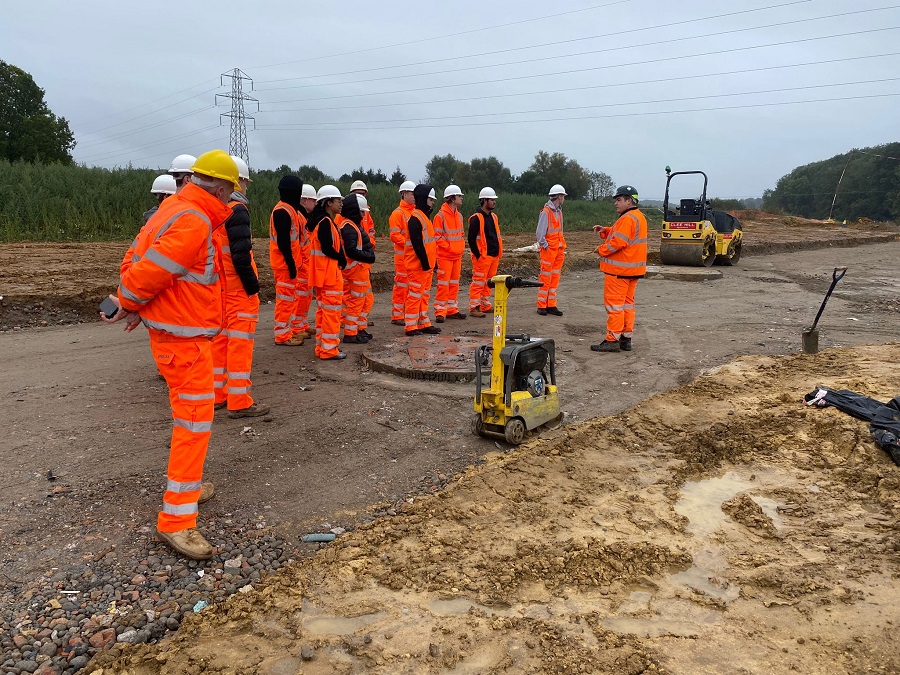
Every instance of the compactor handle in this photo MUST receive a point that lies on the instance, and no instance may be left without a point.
(837, 277)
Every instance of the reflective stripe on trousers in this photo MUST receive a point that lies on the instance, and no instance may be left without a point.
(401, 286)
(187, 366)
(356, 283)
(286, 304)
(328, 321)
(233, 350)
(618, 299)
(445, 300)
(551, 269)
(483, 268)
(415, 314)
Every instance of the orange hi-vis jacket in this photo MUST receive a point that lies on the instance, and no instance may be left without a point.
(624, 253)
(305, 242)
(229, 273)
(324, 272)
(368, 225)
(482, 242)
(398, 220)
(275, 258)
(450, 233)
(340, 221)
(411, 259)
(554, 236)
(173, 280)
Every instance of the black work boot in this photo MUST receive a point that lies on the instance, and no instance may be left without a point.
(625, 343)
(555, 311)
(607, 346)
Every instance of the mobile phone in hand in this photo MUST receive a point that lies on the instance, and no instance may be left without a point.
(108, 307)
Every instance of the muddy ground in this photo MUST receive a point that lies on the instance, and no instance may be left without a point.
(576, 553)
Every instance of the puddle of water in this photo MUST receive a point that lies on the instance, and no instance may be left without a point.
(701, 502)
(461, 606)
(637, 603)
(701, 580)
(770, 508)
(340, 625)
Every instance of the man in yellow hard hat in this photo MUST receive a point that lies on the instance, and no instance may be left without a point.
(171, 283)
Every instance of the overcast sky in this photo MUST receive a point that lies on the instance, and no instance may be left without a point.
(385, 84)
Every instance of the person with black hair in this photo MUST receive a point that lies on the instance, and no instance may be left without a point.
(420, 256)
(285, 256)
(360, 256)
(326, 261)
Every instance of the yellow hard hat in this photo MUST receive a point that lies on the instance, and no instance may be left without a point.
(218, 164)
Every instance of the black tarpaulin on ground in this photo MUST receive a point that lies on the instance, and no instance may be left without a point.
(883, 418)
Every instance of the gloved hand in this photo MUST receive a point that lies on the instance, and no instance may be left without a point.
(292, 271)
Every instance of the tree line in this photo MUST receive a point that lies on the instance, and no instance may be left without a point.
(870, 186)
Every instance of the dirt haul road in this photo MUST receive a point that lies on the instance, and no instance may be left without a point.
(84, 403)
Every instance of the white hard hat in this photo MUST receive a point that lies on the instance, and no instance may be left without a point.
(431, 194)
(182, 164)
(363, 203)
(308, 191)
(358, 185)
(328, 192)
(487, 193)
(556, 190)
(243, 169)
(452, 191)
(407, 186)
(163, 185)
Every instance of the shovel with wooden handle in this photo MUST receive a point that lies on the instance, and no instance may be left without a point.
(811, 334)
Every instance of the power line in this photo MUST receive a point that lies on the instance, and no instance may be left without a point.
(197, 148)
(596, 68)
(546, 44)
(110, 139)
(544, 92)
(103, 156)
(586, 53)
(162, 98)
(458, 34)
(614, 105)
(592, 117)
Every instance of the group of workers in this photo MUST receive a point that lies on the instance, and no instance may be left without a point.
(190, 277)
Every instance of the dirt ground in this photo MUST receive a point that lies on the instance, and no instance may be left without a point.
(600, 547)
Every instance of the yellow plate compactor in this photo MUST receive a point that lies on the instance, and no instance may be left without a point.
(522, 394)
(694, 234)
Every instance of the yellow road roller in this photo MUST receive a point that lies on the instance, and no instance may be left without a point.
(695, 235)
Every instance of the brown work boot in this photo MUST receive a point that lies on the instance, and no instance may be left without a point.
(294, 341)
(255, 410)
(476, 312)
(189, 543)
(207, 492)
(303, 334)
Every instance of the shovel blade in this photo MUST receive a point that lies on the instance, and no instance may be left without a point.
(810, 341)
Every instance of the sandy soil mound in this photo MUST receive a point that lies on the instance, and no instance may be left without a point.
(721, 527)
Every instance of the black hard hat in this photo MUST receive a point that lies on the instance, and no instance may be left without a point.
(627, 191)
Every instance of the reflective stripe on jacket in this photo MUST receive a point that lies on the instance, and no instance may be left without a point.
(550, 227)
(173, 279)
(231, 278)
(397, 221)
(624, 253)
(410, 256)
(450, 233)
(324, 271)
(481, 240)
(276, 259)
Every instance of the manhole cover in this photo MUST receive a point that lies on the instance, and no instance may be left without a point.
(441, 358)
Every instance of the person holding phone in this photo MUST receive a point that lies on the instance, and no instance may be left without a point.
(171, 284)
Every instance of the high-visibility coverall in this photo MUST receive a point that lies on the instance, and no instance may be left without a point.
(451, 243)
(233, 346)
(172, 281)
(623, 260)
(325, 279)
(420, 256)
(368, 224)
(360, 256)
(486, 246)
(285, 255)
(552, 247)
(397, 221)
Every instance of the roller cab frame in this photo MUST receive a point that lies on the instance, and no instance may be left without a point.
(522, 394)
(695, 235)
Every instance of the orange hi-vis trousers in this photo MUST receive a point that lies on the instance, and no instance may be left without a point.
(187, 366)
(445, 300)
(551, 269)
(356, 285)
(368, 304)
(287, 301)
(233, 350)
(416, 309)
(329, 303)
(618, 299)
(300, 320)
(401, 285)
(483, 269)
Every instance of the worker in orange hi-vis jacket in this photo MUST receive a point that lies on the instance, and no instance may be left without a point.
(623, 260)
(451, 244)
(326, 261)
(420, 259)
(368, 225)
(552, 247)
(173, 286)
(300, 320)
(360, 256)
(285, 256)
(233, 346)
(486, 247)
(397, 222)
